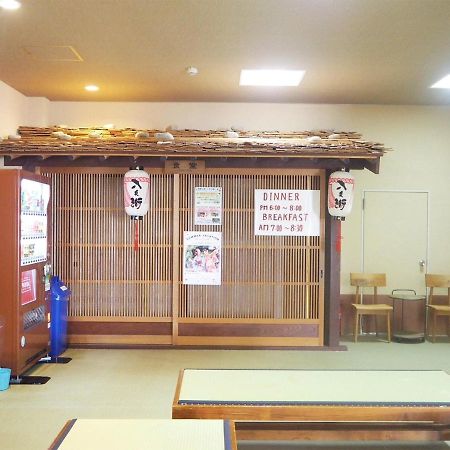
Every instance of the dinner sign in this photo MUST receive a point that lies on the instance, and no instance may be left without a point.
(287, 212)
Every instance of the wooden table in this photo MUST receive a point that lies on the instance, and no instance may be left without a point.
(362, 404)
(141, 434)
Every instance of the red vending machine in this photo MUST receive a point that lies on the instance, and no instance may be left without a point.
(24, 269)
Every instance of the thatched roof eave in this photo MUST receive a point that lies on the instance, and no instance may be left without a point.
(43, 143)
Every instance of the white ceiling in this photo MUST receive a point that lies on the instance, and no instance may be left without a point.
(353, 51)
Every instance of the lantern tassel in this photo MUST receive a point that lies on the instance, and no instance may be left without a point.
(338, 237)
(136, 235)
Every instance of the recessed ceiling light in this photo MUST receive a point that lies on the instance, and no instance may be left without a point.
(271, 77)
(192, 71)
(444, 83)
(10, 4)
(91, 88)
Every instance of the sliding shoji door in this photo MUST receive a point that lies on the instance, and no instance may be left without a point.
(272, 286)
(119, 296)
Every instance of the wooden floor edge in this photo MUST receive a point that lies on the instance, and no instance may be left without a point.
(169, 346)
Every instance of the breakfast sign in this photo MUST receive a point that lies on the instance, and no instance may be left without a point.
(287, 212)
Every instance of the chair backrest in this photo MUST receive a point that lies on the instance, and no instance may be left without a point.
(361, 280)
(437, 281)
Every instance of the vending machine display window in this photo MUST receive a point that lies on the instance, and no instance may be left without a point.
(34, 197)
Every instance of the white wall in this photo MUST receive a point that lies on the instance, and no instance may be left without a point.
(420, 160)
(257, 116)
(17, 109)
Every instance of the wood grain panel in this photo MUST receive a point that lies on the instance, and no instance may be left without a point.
(120, 328)
(113, 340)
(248, 330)
(344, 431)
(305, 413)
(245, 341)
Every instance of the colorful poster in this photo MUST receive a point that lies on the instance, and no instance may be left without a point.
(34, 197)
(287, 212)
(202, 257)
(32, 226)
(33, 250)
(28, 287)
(208, 206)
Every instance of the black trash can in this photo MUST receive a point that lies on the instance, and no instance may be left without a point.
(59, 309)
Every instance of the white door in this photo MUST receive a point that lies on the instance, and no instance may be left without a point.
(395, 237)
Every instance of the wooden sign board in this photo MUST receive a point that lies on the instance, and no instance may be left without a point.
(184, 166)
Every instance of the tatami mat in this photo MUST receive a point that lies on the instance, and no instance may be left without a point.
(316, 386)
(129, 384)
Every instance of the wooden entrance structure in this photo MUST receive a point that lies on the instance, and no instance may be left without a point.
(276, 291)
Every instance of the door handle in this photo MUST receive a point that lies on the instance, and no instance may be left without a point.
(422, 264)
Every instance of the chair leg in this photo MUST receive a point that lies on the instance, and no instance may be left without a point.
(434, 326)
(388, 323)
(375, 319)
(355, 337)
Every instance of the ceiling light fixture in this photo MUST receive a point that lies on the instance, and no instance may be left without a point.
(91, 88)
(10, 4)
(444, 83)
(271, 77)
(192, 71)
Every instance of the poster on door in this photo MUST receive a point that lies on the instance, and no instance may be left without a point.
(202, 252)
(287, 212)
(208, 205)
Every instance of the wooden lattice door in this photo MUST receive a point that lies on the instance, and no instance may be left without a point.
(272, 287)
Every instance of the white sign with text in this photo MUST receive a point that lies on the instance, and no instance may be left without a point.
(287, 212)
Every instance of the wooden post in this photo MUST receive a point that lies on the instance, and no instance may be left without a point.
(332, 277)
(175, 256)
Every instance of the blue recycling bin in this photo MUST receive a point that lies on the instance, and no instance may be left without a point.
(59, 309)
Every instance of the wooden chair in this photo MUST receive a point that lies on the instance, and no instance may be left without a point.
(370, 280)
(434, 311)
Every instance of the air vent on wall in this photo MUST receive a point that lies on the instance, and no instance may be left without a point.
(52, 53)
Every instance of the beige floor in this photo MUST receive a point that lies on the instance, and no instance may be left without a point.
(141, 383)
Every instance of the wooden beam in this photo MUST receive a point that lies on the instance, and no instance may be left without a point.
(111, 160)
(373, 165)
